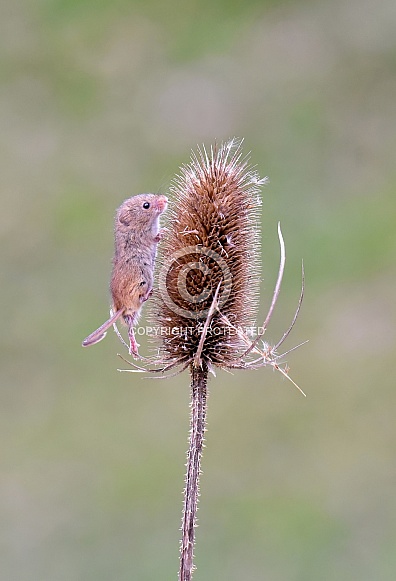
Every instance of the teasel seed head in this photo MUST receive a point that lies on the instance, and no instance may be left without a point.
(210, 254)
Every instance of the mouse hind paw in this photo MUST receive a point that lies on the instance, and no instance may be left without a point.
(133, 344)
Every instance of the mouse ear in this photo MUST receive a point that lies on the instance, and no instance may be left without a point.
(125, 217)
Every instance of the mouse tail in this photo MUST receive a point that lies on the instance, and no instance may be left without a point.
(100, 333)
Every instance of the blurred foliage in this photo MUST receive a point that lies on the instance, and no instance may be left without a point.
(103, 99)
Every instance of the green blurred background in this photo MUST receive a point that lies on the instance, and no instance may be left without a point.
(101, 100)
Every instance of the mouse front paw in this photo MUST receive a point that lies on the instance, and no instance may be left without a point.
(146, 296)
(160, 234)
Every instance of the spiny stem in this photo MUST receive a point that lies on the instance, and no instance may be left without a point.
(199, 378)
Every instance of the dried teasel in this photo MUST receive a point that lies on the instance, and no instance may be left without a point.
(212, 245)
(207, 292)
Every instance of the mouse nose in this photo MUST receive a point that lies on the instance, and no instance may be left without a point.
(162, 202)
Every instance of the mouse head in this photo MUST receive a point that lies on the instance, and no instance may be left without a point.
(140, 211)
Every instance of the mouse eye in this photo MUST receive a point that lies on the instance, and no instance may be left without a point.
(146, 205)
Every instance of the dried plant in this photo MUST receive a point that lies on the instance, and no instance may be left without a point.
(207, 298)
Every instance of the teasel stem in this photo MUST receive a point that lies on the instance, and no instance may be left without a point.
(199, 376)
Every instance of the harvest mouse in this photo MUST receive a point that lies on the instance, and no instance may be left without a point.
(136, 235)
